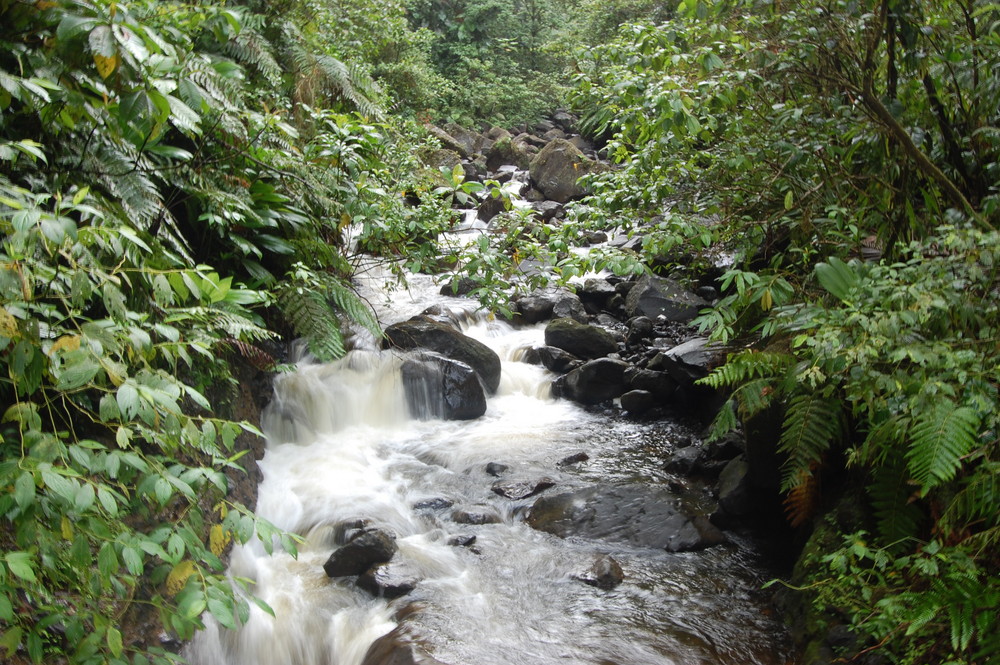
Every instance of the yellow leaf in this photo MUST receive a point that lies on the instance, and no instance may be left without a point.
(218, 540)
(105, 65)
(67, 528)
(66, 343)
(345, 219)
(765, 300)
(178, 577)
(8, 324)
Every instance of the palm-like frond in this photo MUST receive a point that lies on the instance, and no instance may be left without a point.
(812, 424)
(939, 438)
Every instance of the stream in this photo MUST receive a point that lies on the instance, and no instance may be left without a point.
(342, 445)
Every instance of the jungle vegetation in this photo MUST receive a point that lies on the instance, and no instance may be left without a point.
(184, 186)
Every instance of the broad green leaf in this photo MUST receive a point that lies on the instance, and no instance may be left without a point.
(108, 500)
(114, 639)
(837, 277)
(128, 400)
(24, 489)
(20, 564)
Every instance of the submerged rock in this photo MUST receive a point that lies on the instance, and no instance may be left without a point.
(522, 489)
(371, 546)
(635, 514)
(388, 580)
(606, 573)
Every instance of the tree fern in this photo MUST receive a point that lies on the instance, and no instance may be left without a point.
(745, 365)
(940, 437)
(898, 517)
(250, 48)
(321, 74)
(313, 320)
(812, 425)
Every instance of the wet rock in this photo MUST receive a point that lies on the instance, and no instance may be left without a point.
(640, 515)
(438, 503)
(565, 120)
(459, 287)
(660, 384)
(707, 293)
(522, 489)
(440, 387)
(546, 210)
(685, 461)
(496, 469)
(345, 531)
(734, 487)
(542, 305)
(398, 647)
(470, 142)
(606, 573)
(390, 580)
(640, 328)
(553, 359)
(579, 339)
(554, 133)
(476, 515)
(638, 401)
(556, 169)
(508, 150)
(575, 458)
(691, 360)
(423, 332)
(371, 546)
(595, 294)
(654, 297)
(462, 540)
(595, 237)
(593, 382)
(490, 207)
(449, 142)
(442, 158)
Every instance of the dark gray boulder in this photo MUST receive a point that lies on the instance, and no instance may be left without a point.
(579, 339)
(640, 515)
(450, 142)
(606, 574)
(557, 168)
(508, 150)
(593, 382)
(522, 489)
(546, 210)
(575, 458)
(496, 469)
(734, 487)
(689, 361)
(421, 332)
(476, 515)
(640, 328)
(660, 384)
(369, 547)
(638, 401)
(439, 387)
(544, 304)
(553, 359)
(388, 580)
(398, 647)
(654, 296)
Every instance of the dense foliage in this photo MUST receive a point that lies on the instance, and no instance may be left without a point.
(847, 154)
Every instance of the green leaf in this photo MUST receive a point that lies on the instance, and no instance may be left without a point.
(80, 372)
(837, 277)
(107, 561)
(6, 608)
(107, 500)
(133, 560)
(24, 489)
(223, 613)
(84, 498)
(128, 400)
(20, 564)
(114, 639)
(940, 437)
(61, 485)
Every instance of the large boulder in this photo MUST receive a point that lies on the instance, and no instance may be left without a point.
(371, 546)
(398, 647)
(557, 168)
(470, 141)
(553, 359)
(508, 150)
(654, 296)
(439, 387)
(450, 142)
(593, 382)
(421, 332)
(734, 487)
(582, 340)
(544, 304)
(639, 515)
(388, 580)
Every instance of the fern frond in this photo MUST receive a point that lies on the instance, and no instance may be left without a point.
(348, 302)
(256, 356)
(746, 365)
(725, 421)
(940, 437)
(229, 324)
(803, 498)
(977, 504)
(250, 48)
(898, 517)
(812, 425)
(313, 319)
(319, 73)
(755, 396)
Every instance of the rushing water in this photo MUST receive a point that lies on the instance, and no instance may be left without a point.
(342, 446)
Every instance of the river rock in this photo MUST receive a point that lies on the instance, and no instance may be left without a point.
(388, 580)
(640, 328)
(398, 647)
(660, 384)
(476, 515)
(546, 210)
(638, 401)
(470, 141)
(490, 207)
(508, 150)
(654, 296)
(459, 286)
(371, 546)
(593, 382)
(522, 489)
(449, 142)
(606, 573)
(347, 530)
(462, 540)
(575, 458)
(556, 169)
(734, 487)
(423, 332)
(640, 515)
(437, 503)
(439, 387)
(553, 359)
(496, 469)
(581, 340)
(565, 120)
(542, 304)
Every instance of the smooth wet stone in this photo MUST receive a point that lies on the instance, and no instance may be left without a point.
(462, 540)
(522, 489)
(371, 546)
(437, 503)
(476, 515)
(575, 458)
(496, 468)
(389, 580)
(606, 573)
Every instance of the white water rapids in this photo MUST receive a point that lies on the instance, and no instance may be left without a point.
(342, 446)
